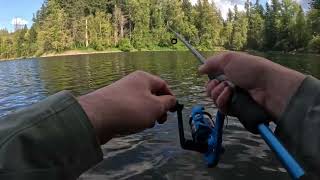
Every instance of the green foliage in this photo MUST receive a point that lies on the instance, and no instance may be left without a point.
(19, 43)
(179, 17)
(140, 15)
(125, 45)
(315, 4)
(160, 35)
(300, 34)
(208, 17)
(6, 44)
(256, 26)
(99, 31)
(272, 24)
(314, 44)
(314, 21)
(239, 31)
(53, 34)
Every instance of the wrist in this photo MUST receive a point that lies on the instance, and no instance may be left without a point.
(281, 86)
(90, 104)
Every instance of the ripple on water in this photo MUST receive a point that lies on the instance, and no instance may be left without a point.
(155, 153)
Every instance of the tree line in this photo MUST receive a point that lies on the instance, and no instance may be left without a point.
(62, 25)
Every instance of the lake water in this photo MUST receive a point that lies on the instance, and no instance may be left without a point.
(155, 153)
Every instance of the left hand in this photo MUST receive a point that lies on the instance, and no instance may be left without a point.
(129, 105)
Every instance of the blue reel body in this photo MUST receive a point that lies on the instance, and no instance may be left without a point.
(206, 134)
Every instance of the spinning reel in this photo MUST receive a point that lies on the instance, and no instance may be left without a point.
(206, 133)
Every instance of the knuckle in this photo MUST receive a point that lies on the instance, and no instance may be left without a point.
(214, 95)
(161, 107)
(158, 106)
(220, 102)
(173, 100)
(228, 56)
(162, 82)
(140, 73)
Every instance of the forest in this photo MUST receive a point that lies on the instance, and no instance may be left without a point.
(127, 25)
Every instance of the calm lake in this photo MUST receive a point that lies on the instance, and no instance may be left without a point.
(155, 153)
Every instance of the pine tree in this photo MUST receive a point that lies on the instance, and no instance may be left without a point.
(315, 4)
(301, 32)
(161, 37)
(314, 17)
(314, 25)
(19, 42)
(209, 24)
(226, 33)
(100, 31)
(255, 26)
(272, 24)
(140, 16)
(60, 25)
(175, 17)
(239, 30)
(191, 32)
(53, 34)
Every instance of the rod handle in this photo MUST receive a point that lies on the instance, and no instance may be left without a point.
(292, 166)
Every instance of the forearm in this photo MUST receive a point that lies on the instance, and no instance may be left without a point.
(53, 138)
(299, 125)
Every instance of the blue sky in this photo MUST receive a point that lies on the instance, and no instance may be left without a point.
(23, 9)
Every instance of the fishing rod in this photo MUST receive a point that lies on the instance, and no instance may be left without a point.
(251, 113)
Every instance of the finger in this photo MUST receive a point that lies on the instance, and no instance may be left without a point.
(159, 86)
(163, 119)
(215, 93)
(212, 65)
(155, 84)
(168, 103)
(216, 64)
(223, 99)
(211, 85)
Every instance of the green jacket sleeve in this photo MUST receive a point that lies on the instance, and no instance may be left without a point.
(299, 126)
(50, 140)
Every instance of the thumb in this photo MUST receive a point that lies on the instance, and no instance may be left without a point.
(168, 102)
(214, 65)
(210, 67)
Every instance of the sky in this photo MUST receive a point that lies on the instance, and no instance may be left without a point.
(224, 5)
(21, 11)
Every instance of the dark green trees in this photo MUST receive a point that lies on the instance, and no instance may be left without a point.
(62, 25)
(256, 25)
(53, 34)
(239, 30)
(314, 24)
(209, 24)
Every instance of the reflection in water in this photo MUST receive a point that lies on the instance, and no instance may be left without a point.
(155, 153)
(20, 85)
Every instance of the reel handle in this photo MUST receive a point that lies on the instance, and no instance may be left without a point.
(187, 144)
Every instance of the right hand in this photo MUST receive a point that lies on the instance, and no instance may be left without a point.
(269, 84)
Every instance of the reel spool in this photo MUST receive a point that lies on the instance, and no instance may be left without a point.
(206, 133)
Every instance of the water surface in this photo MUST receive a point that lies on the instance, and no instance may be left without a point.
(155, 153)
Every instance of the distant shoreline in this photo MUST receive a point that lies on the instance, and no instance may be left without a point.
(78, 52)
(65, 53)
(88, 52)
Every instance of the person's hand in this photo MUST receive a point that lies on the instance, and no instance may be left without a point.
(129, 105)
(269, 84)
